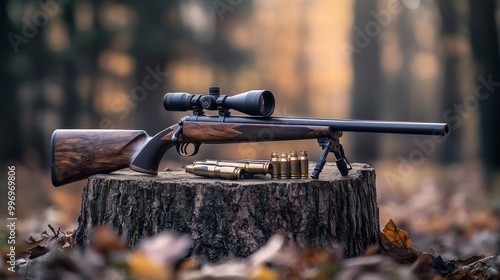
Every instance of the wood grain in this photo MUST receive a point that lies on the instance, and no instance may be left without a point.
(77, 154)
(235, 218)
(216, 132)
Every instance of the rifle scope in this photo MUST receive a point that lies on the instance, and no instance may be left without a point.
(253, 102)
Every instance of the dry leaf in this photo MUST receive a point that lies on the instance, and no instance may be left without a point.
(143, 267)
(371, 250)
(425, 267)
(105, 240)
(165, 248)
(397, 244)
(394, 237)
(264, 273)
(485, 268)
(442, 267)
(47, 242)
(446, 268)
(189, 264)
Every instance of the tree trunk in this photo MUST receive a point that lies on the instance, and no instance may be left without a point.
(452, 151)
(367, 79)
(234, 218)
(485, 47)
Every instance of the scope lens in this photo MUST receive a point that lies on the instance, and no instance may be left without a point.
(266, 103)
(177, 101)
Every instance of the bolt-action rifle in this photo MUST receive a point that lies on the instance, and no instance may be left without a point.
(78, 153)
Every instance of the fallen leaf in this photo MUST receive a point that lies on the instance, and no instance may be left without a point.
(269, 252)
(143, 267)
(371, 250)
(263, 272)
(425, 268)
(442, 267)
(485, 268)
(234, 270)
(189, 264)
(445, 268)
(105, 240)
(396, 243)
(394, 237)
(165, 248)
(46, 242)
(372, 267)
(467, 261)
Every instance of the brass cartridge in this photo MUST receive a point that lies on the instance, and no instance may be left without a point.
(275, 174)
(214, 171)
(250, 167)
(294, 165)
(304, 165)
(284, 166)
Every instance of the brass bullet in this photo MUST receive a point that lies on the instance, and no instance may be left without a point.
(294, 165)
(250, 167)
(304, 165)
(275, 174)
(284, 166)
(214, 171)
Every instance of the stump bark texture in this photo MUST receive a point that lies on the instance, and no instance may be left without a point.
(227, 219)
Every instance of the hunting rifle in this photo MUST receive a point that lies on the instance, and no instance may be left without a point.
(79, 153)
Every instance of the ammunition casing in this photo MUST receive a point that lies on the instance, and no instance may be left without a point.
(304, 165)
(250, 167)
(275, 174)
(214, 171)
(284, 166)
(294, 165)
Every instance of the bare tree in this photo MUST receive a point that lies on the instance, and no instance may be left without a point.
(485, 47)
(367, 81)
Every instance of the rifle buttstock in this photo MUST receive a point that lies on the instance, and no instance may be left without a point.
(78, 154)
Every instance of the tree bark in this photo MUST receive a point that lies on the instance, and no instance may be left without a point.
(227, 219)
(486, 51)
(366, 94)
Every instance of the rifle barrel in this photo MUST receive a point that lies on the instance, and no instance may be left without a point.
(396, 127)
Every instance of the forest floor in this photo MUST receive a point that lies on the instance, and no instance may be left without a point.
(444, 209)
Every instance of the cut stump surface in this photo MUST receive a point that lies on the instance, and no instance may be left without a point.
(227, 219)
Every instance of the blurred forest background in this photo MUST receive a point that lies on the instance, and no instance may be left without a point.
(107, 64)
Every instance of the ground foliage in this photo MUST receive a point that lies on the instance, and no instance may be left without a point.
(51, 256)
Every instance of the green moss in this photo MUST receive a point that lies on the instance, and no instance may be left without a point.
(135, 237)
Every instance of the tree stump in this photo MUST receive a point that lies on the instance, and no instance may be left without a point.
(227, 219)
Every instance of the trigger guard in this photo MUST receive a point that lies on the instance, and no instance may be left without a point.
(182, 149)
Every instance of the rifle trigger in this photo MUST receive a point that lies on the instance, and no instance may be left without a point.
(175, 137)
(182, 149)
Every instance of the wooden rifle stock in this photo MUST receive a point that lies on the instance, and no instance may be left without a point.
(79, 153)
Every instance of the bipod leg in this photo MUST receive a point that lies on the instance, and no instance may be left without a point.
(343, 164)
(324, 143)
